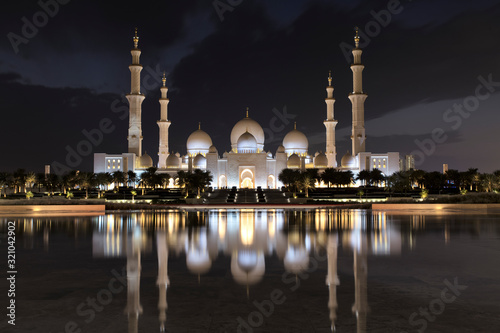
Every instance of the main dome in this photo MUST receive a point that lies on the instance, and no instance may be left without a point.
(198, 142)
(247, 125)
(247, 143)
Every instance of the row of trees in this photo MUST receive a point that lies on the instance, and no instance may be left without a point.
(403, 181)
(21, 181)
(296, 180)
(470, 180)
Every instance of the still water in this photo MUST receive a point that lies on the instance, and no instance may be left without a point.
(256, 271)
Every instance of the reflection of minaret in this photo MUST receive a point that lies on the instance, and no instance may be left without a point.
(357, 98)
(332, 279)
(360, 307)
(134, 308)
(163, 125)
(162, 280)
(330, 124)
(135, 99)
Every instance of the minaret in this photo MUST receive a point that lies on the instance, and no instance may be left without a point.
(332, 279)
(357, 98)
(330, 124)
(163, 125)
(135, 99)
(134, 307)
(162, 280)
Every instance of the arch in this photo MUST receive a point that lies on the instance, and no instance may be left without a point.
(222, 181)
(247, 178)
(270, 181)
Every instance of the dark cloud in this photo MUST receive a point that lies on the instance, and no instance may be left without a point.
(263, 55)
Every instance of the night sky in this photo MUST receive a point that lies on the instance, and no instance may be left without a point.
(423, 72)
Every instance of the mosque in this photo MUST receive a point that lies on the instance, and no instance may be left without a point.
(247, 164)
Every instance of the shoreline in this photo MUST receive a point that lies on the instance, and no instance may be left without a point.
(101, 208)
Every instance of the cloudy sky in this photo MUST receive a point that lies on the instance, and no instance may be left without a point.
(432, 66)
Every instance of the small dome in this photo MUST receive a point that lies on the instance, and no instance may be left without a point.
(200, 162)
(145, 161)
(348, 161)
(320, 161)
(198, 261)
(173, 161)
(280, 149)
(248, 267)
(198, 142)
(212, 149)
(295, 142)
(247, 143)
(293, 161)
(296, 260)
(247, 125)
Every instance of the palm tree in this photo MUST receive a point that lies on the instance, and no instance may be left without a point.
(200, 179)
(328, 176)
(346, 178)
(306, 182)
(52, 182)
(30, 180)
(376, 176)
(118, 178)
(19, 180)
(365, 177)
(183, 181)
(150, 178)
(4, 183)
(400, 181)
(289, 178)
(86, 180)
(131, 178)
(488, 182)
(164, 179)
(418, 177)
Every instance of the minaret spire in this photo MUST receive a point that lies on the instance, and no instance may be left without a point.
(330, 124)
(247, 112)
(357, 98)
(135, 99)
(136, 39)
(163, 125)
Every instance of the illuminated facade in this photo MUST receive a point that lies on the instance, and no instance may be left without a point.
(247, 164)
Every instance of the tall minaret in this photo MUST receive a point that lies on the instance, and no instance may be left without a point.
(163, 124)
(332, 279)
(162, 280)
(135, 99)
(357, 98)
(330, 123)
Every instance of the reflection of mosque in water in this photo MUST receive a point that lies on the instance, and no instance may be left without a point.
(247, 236)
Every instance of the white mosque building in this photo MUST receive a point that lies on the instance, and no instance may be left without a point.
(247, 164)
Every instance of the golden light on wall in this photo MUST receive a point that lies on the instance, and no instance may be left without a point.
(247, 228)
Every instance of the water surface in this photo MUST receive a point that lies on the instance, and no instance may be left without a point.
(257, 271)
